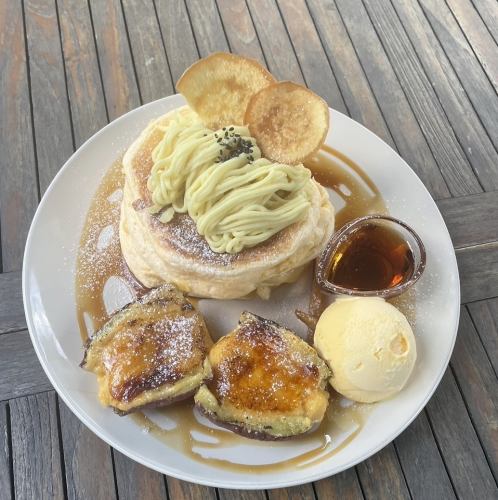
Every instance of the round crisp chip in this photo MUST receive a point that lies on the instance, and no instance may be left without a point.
(288, 121)
(218, 87)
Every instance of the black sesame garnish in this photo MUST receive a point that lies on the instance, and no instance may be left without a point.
(231, 128)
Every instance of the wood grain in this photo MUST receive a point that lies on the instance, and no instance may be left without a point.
(154, 77)
(485, 317)
(478, 36)
(344, 485)
(421, 462)
(302, 492)
(86, 95)
(457, 439)
(385, 465)
(458, 108)
(6, 486)
(275, 42)
(239, 29)
(478, 385)
(136, 481)
(241, 494)
(120, 86)
(419, 77)
(21, 373)
(87, 460)
(478, 268)
(11, 310)
(177, 36)
(182, 490)
(355, 89)
(390, 95)
(18, 185)
(310, 54)
(52, 122)
(488, 11)
(450, 157)
(35, 448)
(206, 23)
(467, 67)
(471, 220)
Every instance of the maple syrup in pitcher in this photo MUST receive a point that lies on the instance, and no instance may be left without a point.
(100, 260)
(374, 257)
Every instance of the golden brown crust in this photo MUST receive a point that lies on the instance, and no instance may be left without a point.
(155, 342)
(254, 368)
(266, 382)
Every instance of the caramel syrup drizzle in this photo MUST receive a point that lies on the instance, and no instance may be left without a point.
(98, 262)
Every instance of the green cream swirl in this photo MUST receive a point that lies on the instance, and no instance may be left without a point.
(236, 198)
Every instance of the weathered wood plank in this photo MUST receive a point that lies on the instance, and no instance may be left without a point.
(344, 485)
(424, 102)
(11, 310)
(422, 464)
(478, 267)
(87, 460)
(465, 64)
(154, 77)
(206, 23)
(455, 101)
(36, 455)
(485, 317)
(310, 54)
(241, 494)
(120, 86)
(18, 185)
(177, 36)
(275, 42)
(239, 29)
(385, 465)
(182, 490)
(136, 481)
(354, 86)
(464, 458)
(52, 123)
(478, 36)
(6, 486)
(22, 373)
(471, 220)
(302, 492)
(390, 94)
(86, 95)
(477, 382)
(488, 11)
(384, 87)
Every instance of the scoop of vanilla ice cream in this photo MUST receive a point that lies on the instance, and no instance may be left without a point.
(369, 346)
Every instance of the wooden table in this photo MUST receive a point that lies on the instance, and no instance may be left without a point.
(422, 74)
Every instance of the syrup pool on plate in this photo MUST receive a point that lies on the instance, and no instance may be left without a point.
(101, 263)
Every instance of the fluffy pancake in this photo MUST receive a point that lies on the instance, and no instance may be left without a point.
(174, 252)
(150, 353)
(266, 383)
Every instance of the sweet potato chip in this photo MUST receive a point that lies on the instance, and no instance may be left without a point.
(288, 121)
(218, 87)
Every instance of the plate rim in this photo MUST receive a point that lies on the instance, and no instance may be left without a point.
(185, 476)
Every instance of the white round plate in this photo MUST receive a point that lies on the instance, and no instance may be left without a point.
(49, 302)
